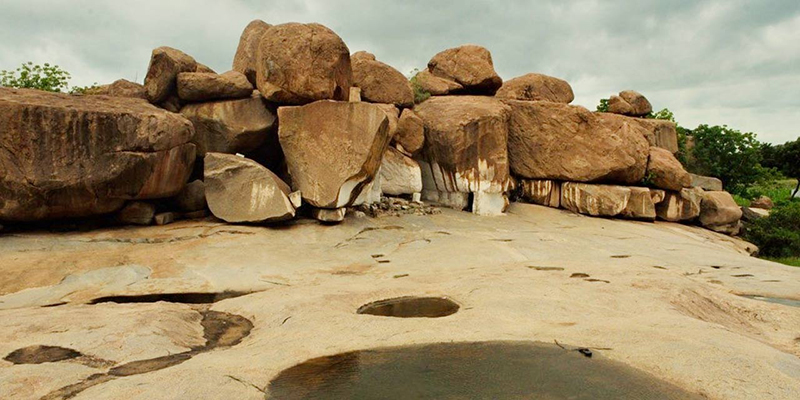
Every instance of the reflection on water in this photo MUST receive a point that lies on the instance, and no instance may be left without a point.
(486, 370)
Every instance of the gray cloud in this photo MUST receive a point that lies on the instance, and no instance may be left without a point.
(718, 62)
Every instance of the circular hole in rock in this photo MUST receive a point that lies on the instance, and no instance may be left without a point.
(487, 370)
(41, 354)
(411, 307)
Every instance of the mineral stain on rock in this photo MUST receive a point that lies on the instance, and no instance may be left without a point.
(185, 298)
(411, 307)
(488, 370)
(41, 354)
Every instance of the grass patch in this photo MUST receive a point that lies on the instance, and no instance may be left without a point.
(793, 261)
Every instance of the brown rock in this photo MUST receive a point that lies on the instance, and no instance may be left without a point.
(706, 182)
(641, 106)
(362, 55)
(718, 211)
(558, 141)
(165, 218)
(202, 68)
(200, 86)
(680, 206)
(762, 202)
(465, 150)
(136, 213)
(536, 87)
(541, 191)
(241, 190)
(73, 156)
(665, 171)
(658, 132)
(752, 214)
(399, 174)
(470, 66)
(301, 63)
(245, 59)
(595, 200)
(162, 74)
(380, 83)
(122, 88)
(618, 105)
(230, 126)
(192, 197)
(410, 132)
(333, 149)
(393, 114)
(642, 204)
(435, 85)
(335, 215)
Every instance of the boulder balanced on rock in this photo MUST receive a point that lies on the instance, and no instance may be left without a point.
(245, 58)
(380, 83)
(301, 63)
(666, 172)
(73, 156)
(205, 86)
(162, 74)
(630, 103)
(536, 87)
(333, 149)
(242, 190)
(466, 152)
(558, 141)
(470, 66)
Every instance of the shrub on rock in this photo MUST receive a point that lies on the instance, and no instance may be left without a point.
(301, 63)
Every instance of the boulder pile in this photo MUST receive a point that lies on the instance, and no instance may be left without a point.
(300, 126)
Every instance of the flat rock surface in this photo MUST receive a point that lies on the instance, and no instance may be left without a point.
(660, 297)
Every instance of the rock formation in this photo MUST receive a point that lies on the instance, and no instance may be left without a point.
(74, 156)
(719, 212)
(665, 171)
(205, 86)
(242, 190)
(162, 74)
(630, 103)
(245, 58)
(470, 66)
(536, 87)
(595, 200)
(399, 174)
(301, 63)
(410, 134)
(333, 149)
(380, 83)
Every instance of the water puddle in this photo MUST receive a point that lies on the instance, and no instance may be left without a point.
(486, 370)
(185, 298)
(411, 307)
(776, 300)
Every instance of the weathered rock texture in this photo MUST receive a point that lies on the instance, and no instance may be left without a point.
(122, 88)
(399, 174)
(680, 206)
(137, 213)
(230, 126)
(204, 86)
(718, 211)
(244, 60)
(558, 141)
(410, 134)
(435, 85)
(301, 63)
(162, 74)
(642, 203)
(362, 55)
(763, 202)
(333, 149)
(192, 197)
(466, 148)
(241, 190)
(706, 182)
(73, 156)
(595, 200)
(541, 191)
(380, 83)
(630, 103)
(537, 87)
(665, 171)
(470, 66)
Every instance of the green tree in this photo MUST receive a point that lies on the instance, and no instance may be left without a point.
(603, 106)
(777, 235)
(784, 158)
(46, 77)
(731, 155)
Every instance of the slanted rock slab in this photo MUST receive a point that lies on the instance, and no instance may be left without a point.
(162, 74)
(241, 190)
(706, 182)
(204, 86)
(333, 149)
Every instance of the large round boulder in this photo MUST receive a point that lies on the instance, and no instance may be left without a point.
(470, 66)
(244, 60)
(73, 156)
(536, 87)
(380, 83)
(665, 171)
(301, 63)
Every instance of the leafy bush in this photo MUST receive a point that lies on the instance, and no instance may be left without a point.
(85, 89)
(603, 106)
(779, 234)
(784, 158)
(728, 154)
(46, 77)
(420, 94)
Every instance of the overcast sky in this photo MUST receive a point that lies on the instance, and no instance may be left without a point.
(716, 62)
